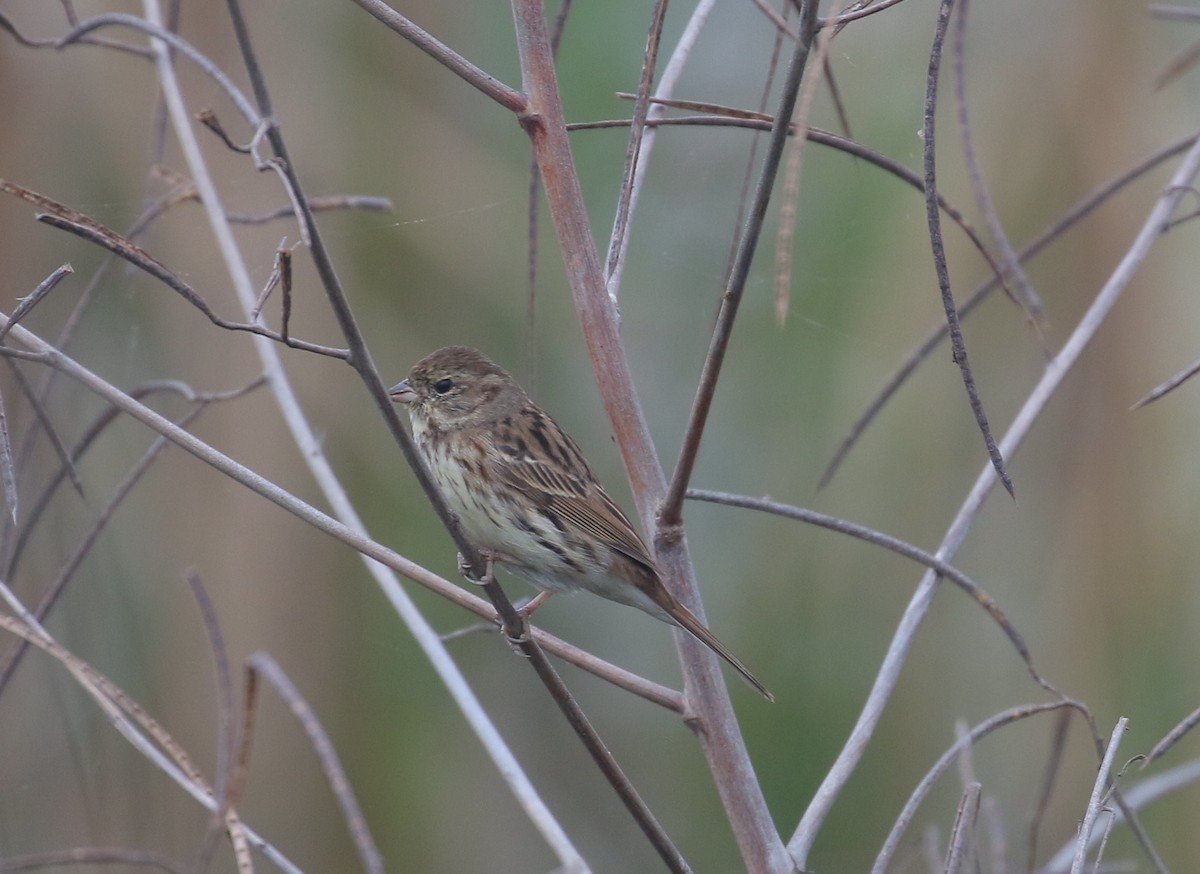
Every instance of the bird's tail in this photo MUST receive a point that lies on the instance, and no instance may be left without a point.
(687, 620)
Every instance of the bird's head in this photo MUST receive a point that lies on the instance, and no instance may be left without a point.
(457, 387)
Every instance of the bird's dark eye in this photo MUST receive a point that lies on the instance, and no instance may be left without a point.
(443, 385)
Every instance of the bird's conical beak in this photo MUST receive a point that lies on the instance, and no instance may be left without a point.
(402, 392)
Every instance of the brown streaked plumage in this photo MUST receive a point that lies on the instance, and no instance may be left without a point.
(525, 494)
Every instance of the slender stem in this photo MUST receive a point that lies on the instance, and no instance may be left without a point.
(670, 514)
(1100, 789)
(618, 249)
(446, 56)
(933, 216)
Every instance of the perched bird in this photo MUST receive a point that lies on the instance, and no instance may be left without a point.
(525, 495)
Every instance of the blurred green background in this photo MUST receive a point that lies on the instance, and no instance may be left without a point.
(1094, 562)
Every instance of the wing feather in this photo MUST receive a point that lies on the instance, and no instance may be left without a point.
(536, 457)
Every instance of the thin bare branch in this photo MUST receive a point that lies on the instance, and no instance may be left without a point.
(1023, 290)
(933, 216)
(93, 856)
(619, 239)
(900, 547)
(669, 513)
(1100, 791)
(55, 590)
(31, 42)
(946, 760)
(8, 473)
(962, 833)
(857, 11)
(785, 236)
(885, 681)
(665, 88)
(139, 257)
(90, 434)
(318, 739)
(516, 630)
(1173, 737)
(180, 45)
(1058, 744)
(1170, 385)
(226, 736)
(43, 418)
(26, 304)
(444, 55)
(1073, 216)
(326, 203)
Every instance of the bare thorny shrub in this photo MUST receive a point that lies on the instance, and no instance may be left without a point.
(48, 447)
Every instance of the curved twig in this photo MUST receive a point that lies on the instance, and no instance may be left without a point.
(900, 547)
(923, 788)
(174, 41)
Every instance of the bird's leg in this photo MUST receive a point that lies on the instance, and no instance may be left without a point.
(516, 635)
(536, 601)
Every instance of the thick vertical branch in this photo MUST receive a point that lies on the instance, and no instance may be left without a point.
(716, 723)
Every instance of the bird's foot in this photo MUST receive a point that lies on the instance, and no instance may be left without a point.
(467, 569)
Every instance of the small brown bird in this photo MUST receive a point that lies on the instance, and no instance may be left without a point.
(526, 496)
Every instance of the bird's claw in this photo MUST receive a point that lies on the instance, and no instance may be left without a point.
(520, 639)
(467, 569)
